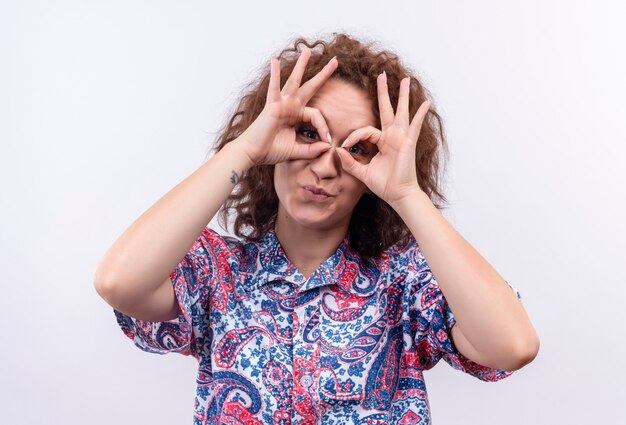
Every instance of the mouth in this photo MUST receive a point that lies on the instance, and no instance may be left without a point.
(316, 193)
(317, 190)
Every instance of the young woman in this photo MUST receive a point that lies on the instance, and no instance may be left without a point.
(326, 308)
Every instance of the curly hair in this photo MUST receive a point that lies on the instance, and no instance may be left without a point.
(374, 225)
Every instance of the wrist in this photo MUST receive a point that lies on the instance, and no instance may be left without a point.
(410, 201)
(240, 149)
(238, 156)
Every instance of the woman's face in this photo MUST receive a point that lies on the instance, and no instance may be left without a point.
(345, 108)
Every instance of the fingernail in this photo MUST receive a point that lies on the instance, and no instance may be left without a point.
(385, 76)
(330, 139)
(344, 143)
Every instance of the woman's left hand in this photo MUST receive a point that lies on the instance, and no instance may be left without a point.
(391, 173)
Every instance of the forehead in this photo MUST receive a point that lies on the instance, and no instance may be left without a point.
(344, 106)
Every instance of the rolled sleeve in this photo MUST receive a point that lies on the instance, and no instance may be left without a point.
(192, 279)
(439, 338)
(433, 319)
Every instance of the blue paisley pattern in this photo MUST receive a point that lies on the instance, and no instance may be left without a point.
(347, 346)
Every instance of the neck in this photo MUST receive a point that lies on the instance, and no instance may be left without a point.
(306, 247)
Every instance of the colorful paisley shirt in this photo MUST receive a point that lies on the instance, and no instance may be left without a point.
(348, 345)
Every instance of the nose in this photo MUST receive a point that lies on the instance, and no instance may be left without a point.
(327, 165)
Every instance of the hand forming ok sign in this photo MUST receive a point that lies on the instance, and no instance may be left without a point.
(391, 174)
(271, 138)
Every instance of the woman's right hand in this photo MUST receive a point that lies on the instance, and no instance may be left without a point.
(271, 138)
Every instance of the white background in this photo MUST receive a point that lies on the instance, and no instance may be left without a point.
(105, 106)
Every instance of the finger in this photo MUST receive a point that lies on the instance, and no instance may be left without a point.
(309, 151)
(293, 82)
(273, 90)
(308, 89)
(369, 133)
(384, 104)
(351, 165)
(315, 117)
(418, 120)
(402, 112)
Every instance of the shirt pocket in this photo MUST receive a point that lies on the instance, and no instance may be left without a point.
(365, 371)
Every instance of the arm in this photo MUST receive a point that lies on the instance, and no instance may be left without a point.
(135, 266)
(134, 272)
(492, 326)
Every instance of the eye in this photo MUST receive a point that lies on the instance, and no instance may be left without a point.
(357, 150)
(308, 132)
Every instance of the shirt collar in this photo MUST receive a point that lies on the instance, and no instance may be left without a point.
(265, 261)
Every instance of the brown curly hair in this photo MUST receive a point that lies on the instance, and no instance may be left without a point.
(374, 225)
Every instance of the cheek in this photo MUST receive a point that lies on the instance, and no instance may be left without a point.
(285, 178)
(355, 188)
(279, 179)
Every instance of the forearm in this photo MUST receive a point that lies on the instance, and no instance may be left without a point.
(486, 309)
(142, 258)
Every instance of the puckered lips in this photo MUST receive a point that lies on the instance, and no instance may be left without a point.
(315, 193)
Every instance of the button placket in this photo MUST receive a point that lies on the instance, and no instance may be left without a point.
(306, 356)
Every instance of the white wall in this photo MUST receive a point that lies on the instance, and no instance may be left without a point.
(105, 106)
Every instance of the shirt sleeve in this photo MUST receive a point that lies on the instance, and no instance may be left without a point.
(438, 338)
(435, 319)
(193, 279)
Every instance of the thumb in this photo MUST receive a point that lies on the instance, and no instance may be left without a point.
(351, 165)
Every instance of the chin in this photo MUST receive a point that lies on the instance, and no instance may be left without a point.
(317, 223)
(315, 219)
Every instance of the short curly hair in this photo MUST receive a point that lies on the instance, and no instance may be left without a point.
(374, 225)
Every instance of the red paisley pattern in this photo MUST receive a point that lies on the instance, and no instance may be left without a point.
(348, 345)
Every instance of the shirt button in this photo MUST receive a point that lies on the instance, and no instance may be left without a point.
(306, 381)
